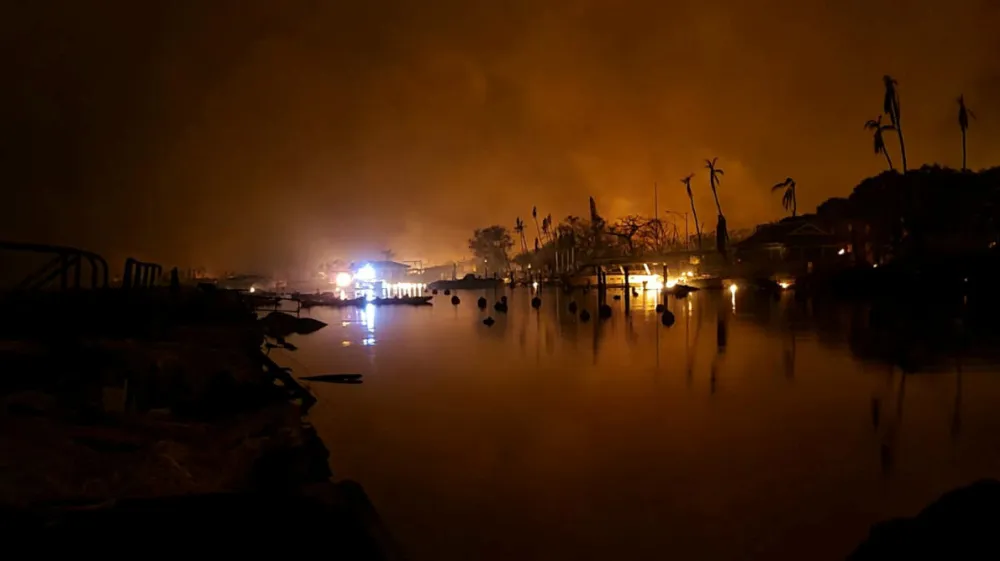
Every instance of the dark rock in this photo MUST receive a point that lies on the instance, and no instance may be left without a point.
(447, 292)
(604, 311)
(500, 307)
(489, 321)
(454, 299)
(434, 291)
(960, 525)
(536, 302)
(572, 307)
(659, 308)
(584, 315)
(617, 297)
(481, 303)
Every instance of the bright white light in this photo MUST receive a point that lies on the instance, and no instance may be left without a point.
(733, 288)
(784, 285)
(671, 283)
(842, 251)
(252, 289)
(534, 285)
(344, 279)
(875, 266)
(366, 273)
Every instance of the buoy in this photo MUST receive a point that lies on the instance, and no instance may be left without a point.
(489, 321)
(667, 318)
(536, 302)
(500, 307)
(572, 307)
(447, 292)
(659, 308)
(584, 315)
(617, 296)
(434, 291)
(481, 302)
(455, 300)
(604, 311)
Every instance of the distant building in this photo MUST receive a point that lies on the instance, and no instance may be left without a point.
(385, 271)
(792, 246)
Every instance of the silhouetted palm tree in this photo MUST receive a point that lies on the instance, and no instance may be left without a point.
(877, 128)
(788, 199)
(546, 228)
(890, 106)
(519, 228)
(714, 175)
(963, 122)
(687, 183)
(538, 231)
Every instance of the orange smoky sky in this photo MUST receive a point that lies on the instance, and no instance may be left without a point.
(270, 135)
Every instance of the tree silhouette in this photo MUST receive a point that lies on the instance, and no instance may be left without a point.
(687, 183)
(519, 230)
(963, 122)
(714, 175)
(788, 200)
(890, 106)
(546, 228)
(534, 215)
(625, 230)
(491, 245)
(877, 128)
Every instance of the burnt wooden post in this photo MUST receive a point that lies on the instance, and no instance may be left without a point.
(628, 291)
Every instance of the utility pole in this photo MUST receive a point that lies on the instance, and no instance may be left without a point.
(656, 213)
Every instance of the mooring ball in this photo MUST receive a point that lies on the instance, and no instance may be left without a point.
(455, 300)
(536, 302)
(667, 318)
(447, 292)
(572, 307)
(584, 315)
(434, 291)
(659, 308)
(481, 302)
(604, 311)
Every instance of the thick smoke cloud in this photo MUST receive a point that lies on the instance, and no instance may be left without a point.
(270, 135)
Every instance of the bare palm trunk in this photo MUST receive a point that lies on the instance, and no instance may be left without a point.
(795, 205)
(902, 145)
(963, 150)
(716, 195)
(538, 231)
(697, 228)
(888, 160)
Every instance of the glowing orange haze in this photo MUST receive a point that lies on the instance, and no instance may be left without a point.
(266, 135)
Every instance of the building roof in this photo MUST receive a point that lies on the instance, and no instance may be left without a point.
(792, 232)
(383, 264)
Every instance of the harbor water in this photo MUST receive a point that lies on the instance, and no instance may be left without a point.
(753, 428)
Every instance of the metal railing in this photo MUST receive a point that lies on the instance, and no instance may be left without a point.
(66, 266)
(139, 274)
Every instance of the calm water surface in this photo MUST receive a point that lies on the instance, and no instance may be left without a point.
(745, 431)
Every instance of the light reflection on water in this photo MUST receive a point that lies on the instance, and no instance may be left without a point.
(544, 437)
